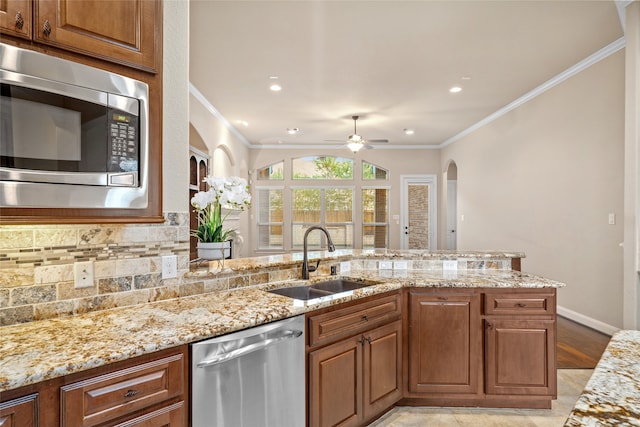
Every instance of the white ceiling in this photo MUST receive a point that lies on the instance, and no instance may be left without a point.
(391, 62)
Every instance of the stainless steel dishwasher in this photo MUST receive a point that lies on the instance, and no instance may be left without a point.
(251, 378)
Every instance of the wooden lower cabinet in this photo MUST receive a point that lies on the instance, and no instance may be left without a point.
(486, 347)
(520, 357)
(354, 360)
(444, 342)
(150, 390)
(20, 412)
(356, 379)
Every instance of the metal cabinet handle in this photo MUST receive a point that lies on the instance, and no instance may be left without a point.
(46, 28)
(489, 325)
(365, 318)
(521, 305)
(443, 298)
(234, 354)
(131, 393)
(19, 20)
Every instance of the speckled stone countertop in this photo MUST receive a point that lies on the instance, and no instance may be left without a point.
(41, 350)
(612, 395)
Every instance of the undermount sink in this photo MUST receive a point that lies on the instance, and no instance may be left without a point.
(320, 289)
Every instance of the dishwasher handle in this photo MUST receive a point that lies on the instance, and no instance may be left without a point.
(239, 352)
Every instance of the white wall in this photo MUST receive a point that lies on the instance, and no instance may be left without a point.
(229, 157)
(543, 179)
(175, 104)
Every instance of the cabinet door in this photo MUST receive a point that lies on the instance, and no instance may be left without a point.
(382, 368)
(19, 412)
(123, 31)
(335, 384)
(445, 351)
(521, 357)
(16, 18)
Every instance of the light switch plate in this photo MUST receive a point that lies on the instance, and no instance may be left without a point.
(450, 264)
(399, 265)
(169, 266)
(385, 265)
(345, 267)
(83, 274)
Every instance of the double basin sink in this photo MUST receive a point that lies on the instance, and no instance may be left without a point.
(327, 289)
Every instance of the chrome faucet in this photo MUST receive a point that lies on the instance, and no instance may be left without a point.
(305, 261)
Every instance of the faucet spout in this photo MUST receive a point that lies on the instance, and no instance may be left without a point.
(306, 268)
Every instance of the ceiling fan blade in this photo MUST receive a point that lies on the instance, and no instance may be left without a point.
(378, 141)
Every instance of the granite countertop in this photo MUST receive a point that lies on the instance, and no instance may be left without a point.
(612, 395)
(37, 351)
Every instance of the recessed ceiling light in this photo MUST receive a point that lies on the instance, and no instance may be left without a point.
(275, 86)
(408, 131)
(455, 89)
(243, 123)
(292, 131)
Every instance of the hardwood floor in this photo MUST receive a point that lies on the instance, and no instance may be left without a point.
(579, 346)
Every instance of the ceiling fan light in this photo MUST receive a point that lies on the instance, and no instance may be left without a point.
(355, 138)
(355, 146)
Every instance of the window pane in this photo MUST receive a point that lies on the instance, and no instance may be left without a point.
(375, 205)
(374, 236)
(338, 205)
(322, 167)
(306, 205)
(270, 237)
(342, 235)
(272, 172)
(375, 218)
(373, 172)
(269, 205)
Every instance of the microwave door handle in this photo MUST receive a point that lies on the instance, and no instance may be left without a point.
(242, 351)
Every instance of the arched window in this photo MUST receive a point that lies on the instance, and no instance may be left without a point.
(373, 172)
(274, 172)
(322, 167)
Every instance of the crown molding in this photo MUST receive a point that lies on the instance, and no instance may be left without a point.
(206, 104)
(621, 6)
(598, 56)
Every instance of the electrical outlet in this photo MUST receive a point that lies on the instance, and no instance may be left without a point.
(385, 265)
(169, 266)
(83, 274)
(399, 265)
(450, 265)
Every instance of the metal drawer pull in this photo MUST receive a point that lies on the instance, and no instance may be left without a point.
(46, 28)
(234, 354)
(131, 393)
(365, 318)
(520, 304)
(19, 25)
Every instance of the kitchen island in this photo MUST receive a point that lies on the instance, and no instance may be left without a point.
(37, 352)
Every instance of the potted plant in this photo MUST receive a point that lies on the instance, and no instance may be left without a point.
(229, 193)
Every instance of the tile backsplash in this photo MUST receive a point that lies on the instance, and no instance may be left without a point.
(37, 267)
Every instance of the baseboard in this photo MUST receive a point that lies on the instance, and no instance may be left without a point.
(587, 321)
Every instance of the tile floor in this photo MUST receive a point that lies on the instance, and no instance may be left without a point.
(571, 382)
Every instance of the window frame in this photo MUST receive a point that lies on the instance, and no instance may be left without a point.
(365, 224)
(270, 223)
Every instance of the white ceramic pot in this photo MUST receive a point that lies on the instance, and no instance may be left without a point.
(214, 250)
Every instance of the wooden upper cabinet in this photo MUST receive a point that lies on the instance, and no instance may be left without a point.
(121, 31)
(16, 18)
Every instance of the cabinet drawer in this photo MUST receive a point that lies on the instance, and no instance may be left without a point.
(19, 412)
(520, 303)
(106, 397)
(327, 327)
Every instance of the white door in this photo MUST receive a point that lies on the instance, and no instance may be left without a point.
(452, 193)
(418, 210)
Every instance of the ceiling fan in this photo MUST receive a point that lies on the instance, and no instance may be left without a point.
(355, 142)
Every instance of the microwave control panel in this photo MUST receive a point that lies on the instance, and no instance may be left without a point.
(123, 142)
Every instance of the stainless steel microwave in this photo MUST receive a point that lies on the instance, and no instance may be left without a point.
(71, 136)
